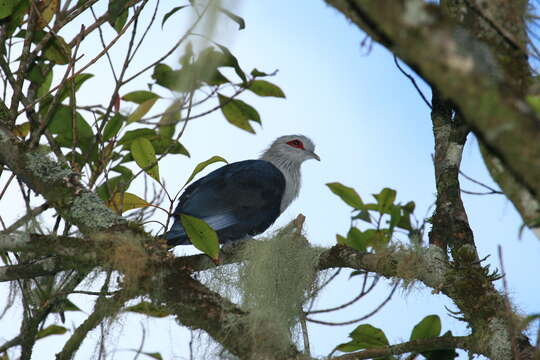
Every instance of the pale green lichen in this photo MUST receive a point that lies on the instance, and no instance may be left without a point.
(415, 13)
(89, 212)
(46, 169)
(436, 266)
(453, 155)
(4, 137)
(498, 340)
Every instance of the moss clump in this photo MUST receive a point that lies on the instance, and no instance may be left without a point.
(129, 257)
(276, 281)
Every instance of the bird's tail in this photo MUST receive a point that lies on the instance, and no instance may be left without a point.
(177, 235)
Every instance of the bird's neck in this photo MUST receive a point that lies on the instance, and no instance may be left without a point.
(291, 172)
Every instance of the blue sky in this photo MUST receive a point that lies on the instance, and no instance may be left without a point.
(371, 129)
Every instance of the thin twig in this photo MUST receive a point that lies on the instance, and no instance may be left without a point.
(172, 49)
(24, 59)
(360, 318)
(412, 79)
(102, 39)
(487, 187)
(23, 220)
(305, 334)
(90, 63)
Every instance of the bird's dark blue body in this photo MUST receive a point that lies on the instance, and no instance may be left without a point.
(236, 200)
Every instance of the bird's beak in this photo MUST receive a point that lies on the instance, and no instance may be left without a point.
(315, 156)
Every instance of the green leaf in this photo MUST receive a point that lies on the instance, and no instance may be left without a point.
(115, 10)
(62, 124)
(7, 7)
(233, 62)
(348, 347)
(131, 135)
(163, 76)
(77, 81)
(183, 80)
(171, 13)
(112, 186)
(356, 273)
(170, 118)
(58, 51)
(405, 220)
(121, 202)
(363, 215)
(141, 110)
(200, 166)
(369, 336)
(378, 239)
(201, 235)
(65, 305)
(149, 309)
(120, 21)
(238, 113)
(51, 330)
(187, 56)
(46, 85)
(154, 355)
(265, 88)
(164, 145)
(113, 126)
(341, 240)
(356, 239)
(429, 327)
(385, 199)
(409, 207)
(17, 15)
(237, 19)
(47, 9)
(36, 73)
(347, 194)
(364, 337)
(395, 216)
(257, 73)
(140, 96)
(534, 102)
(126, 172)
(144, 155)
(22, 129)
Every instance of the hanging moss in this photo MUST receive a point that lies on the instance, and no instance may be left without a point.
(277, 280)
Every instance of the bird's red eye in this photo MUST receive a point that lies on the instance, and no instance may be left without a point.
(296, 143)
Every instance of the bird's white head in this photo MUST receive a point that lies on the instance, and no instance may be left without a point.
(291, 148)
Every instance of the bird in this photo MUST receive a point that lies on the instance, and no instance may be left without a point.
(245, 198)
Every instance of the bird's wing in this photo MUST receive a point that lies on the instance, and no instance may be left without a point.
(236, 200)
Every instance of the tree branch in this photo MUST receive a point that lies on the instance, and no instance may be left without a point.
(465, 71)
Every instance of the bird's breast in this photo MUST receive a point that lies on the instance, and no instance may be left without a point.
(292, 187)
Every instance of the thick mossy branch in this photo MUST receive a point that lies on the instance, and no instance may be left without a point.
(501, 24)
(197, 307)
(58, 185)
(466, 71)
(169, 281)
(450, 224)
